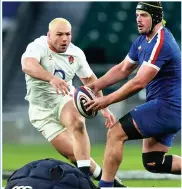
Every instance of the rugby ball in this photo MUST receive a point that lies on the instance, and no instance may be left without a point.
(82, 95)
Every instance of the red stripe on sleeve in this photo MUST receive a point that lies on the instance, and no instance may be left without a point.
(159, 46)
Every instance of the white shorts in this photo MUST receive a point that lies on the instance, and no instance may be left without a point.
(48, 121)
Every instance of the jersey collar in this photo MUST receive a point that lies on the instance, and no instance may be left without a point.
(156, 33)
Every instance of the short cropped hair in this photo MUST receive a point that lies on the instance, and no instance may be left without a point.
(58, 20)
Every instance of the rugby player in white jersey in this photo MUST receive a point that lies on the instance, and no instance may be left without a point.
(50, 63)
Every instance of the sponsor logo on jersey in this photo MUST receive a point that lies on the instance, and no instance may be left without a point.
(71, 59)
(140, 48)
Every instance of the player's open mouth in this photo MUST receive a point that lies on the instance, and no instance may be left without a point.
(140, 27)
(63, 46)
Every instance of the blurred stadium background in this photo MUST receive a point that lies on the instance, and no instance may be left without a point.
(105, 31)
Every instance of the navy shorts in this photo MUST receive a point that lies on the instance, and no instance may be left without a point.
(157, 119)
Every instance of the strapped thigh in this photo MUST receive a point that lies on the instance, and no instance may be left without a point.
(129, 128)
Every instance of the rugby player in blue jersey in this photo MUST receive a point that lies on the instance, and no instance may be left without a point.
(157, 121)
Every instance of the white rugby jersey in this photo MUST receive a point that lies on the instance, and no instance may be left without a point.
(64, 65)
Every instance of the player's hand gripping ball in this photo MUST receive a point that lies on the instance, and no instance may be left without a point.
(82, 95)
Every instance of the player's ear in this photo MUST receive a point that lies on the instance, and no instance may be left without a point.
(48, 35)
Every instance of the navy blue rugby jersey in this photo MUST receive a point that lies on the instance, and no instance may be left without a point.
(163, 53)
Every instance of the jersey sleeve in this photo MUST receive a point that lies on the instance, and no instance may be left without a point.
(159, 52)
(84, 69)
(34, 50)
(132, 56)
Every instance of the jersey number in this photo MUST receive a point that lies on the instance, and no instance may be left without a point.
(60, 72)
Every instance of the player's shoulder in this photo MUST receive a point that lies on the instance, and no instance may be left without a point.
(162, 42)
(73, 49)
(169, 38)
(40, 42)
(167, 32)
(38, 45)
(165, 39)
(164, 35)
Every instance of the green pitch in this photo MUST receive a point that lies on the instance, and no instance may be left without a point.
(15, 156)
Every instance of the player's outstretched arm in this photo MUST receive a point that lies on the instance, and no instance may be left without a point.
(89, 80)
(32, 67)
(115, 74)
(144, 75)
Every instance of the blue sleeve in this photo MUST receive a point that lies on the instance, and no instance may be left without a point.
(133, 53)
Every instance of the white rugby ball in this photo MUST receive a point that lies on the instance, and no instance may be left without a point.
(82, 95)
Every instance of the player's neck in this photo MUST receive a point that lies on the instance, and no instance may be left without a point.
(156, 29)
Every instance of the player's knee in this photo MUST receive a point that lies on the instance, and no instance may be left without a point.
(78, 125)
(109, 135)
(156, 162)
(115, 136)
(152, 161)
(71, 158)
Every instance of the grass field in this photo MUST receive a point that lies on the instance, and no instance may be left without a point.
(15, 156)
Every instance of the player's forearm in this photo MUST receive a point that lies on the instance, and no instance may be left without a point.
(126, 91)
(89, 81)
(35, 70)
(114, 75)
(40, 74)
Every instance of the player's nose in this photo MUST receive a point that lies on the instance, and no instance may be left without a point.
(64, 38)
(139, 20)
